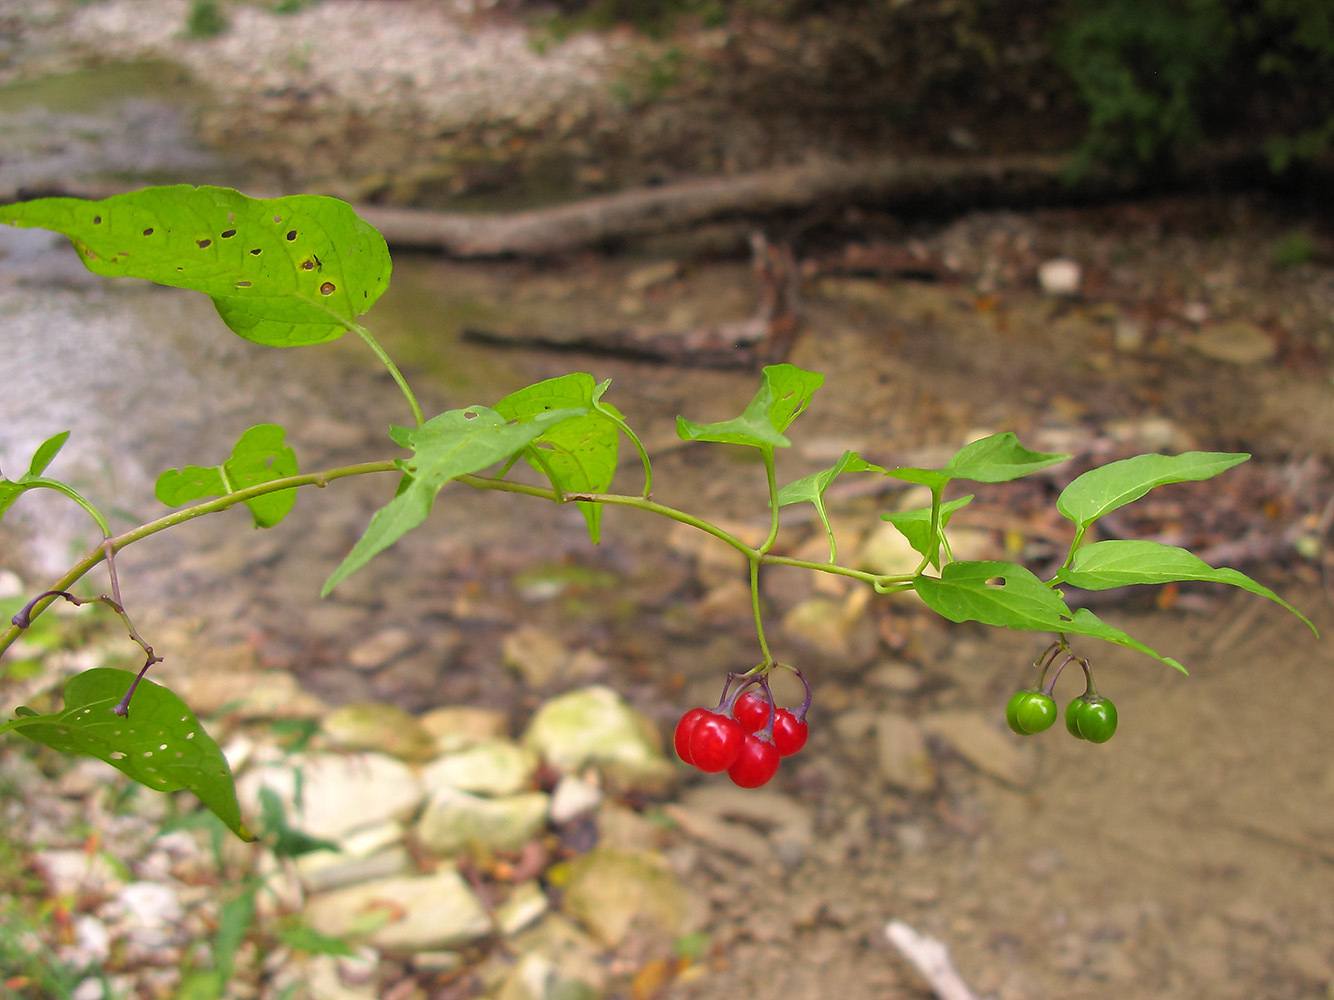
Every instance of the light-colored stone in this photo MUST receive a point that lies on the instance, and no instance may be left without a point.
(456, 821)
(380, 727)
(415, 913)
(573, 797)
(975, 738)
(834, 628)
(594, 726)
(339, 792)
(535, 654)
(495, 767)
(1239, 342)
(377, 650)
(560, 962)
(1059, 276)
(902, 754)
(525, 905)
(645, 277)
(268, 694)
(733, 839)
(609, 891)
(457, 726)
(888, 552)
(323, 870)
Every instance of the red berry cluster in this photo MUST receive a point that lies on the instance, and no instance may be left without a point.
(745, 736)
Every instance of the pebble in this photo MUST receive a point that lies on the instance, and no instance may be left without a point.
(538, 655)
(573, 797)
(413, 913)
(1239, 342)
(609, 891)
(974, 738)
(380, 727)
(902, 754)
(380, 648)
(526, 904)
(457, 726)
(494, 767)
(1059, 276)
(339, 792)
(455, 821)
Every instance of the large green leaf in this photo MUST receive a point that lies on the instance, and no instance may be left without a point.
(578, 454)
(1010, 596)
(997, 458)
(159, 744)
(994, 593)
(785, 390)
(1101, 490)
(281, 271)
(260, 456)
(10, 490)
(1123, 562)
(447, 446)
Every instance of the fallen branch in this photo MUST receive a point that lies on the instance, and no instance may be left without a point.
(653, 210)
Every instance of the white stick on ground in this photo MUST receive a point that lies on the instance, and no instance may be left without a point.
(932, 959)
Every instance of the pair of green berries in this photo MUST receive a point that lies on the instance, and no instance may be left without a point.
(1089, 717)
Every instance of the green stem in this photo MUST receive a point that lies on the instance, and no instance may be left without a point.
(768, 453)
(73, 494)
(755, 609)
(114, 543)
(388, 362)
(634, 440)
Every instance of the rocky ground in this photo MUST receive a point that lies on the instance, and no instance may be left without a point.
(477, 722)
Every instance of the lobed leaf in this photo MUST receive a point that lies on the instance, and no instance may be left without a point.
(281, 271)
(1104, 489)
(159, 744)
(1124, 562)
(915, 525)
(578, 454)
(259, 456)
(453, 444)
(785, 390)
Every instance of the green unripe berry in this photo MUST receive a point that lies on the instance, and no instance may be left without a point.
(1030, 712)
(1092, 719)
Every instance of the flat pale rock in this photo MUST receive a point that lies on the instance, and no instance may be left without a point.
(494, 767)
(404, 913)
(976, 738)
(1238, 342)
(609, 891)
(381, 727)
(456, 821)
(902, 753)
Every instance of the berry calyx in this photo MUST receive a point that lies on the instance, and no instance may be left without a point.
(715, 742)
(1030, 712)
(1092, 718)
(681, 738)
(756, 762)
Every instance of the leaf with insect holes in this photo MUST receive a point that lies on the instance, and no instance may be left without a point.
(453, 444)
(915, 525)
(1123, 562)
(578, 455)
(281, 271)
(46, 451)
(1102, 490)
(258, 457)
(785, 390)
(812, 488)
(159, 744)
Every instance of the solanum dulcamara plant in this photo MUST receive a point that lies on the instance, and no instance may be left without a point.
(299, 271)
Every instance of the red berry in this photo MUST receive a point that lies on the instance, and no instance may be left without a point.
(752, 711)
(789, 734)
(715, 742)
(756, 763)
(681, 740)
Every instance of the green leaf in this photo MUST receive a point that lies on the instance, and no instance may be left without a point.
(453, 444)
(1123, 562)
(994, 593)
(579, 454)
(1087, 623)
(915, 525)
(1108, 487)
(997, 458)
(812, 488)
(302, 937)
(160, 744)
(238, 913)
(258, 457)
(785, 390)
(281, 271)
(46, 451)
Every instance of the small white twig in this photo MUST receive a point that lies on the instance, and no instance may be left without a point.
(932, 959)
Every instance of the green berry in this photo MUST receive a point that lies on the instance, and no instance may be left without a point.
(1091, 718)
(1030, 712)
